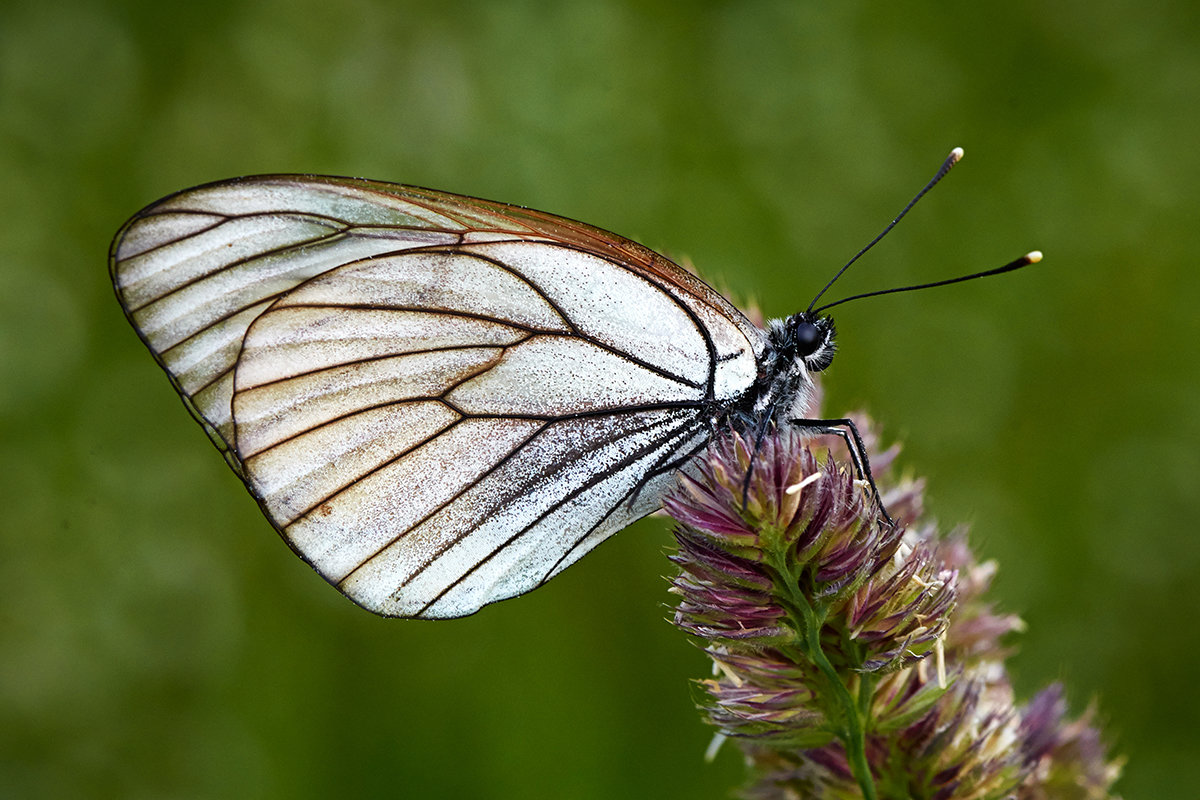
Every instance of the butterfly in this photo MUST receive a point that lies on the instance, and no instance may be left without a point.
(440, 401)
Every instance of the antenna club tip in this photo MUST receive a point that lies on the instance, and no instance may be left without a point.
(1033, 256)
(956, 155)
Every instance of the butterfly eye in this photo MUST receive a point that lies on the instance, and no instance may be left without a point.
(811, 339)
(808, 338)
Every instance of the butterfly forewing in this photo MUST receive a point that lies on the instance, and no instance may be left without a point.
(439, 401)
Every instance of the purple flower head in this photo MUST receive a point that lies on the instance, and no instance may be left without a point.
(789, 511)
(854, 658)
(1065, 758)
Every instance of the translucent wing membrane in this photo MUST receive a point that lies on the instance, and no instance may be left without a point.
(440, 402)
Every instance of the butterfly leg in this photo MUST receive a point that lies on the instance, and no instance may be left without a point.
(847, 431)
(761, 426)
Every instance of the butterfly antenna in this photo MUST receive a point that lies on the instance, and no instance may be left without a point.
(1032, 257)
(955, 156)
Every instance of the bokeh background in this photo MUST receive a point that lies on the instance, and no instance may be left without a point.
(158, 640)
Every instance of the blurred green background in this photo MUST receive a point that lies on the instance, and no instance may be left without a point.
(158, 640)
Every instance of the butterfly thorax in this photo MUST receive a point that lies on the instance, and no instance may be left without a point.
(796, 347)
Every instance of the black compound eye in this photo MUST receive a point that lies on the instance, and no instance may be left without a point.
(812, 339)
(809, 338)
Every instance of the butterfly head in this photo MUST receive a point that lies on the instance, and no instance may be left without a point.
(810, 339)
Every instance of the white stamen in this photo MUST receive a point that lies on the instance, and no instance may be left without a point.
(808, 479)
(939, 653)
(714, 746)
(721, 668)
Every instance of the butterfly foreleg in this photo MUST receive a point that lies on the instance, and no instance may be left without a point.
(847, 431)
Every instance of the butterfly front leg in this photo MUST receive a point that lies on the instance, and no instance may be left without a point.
(847, 431)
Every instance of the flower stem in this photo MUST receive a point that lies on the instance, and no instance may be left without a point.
(854, 735)
(852, 731)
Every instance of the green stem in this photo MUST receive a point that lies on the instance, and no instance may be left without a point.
(866, 691)
(853, 732)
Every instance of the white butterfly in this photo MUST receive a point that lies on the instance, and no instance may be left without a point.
(440, 401)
